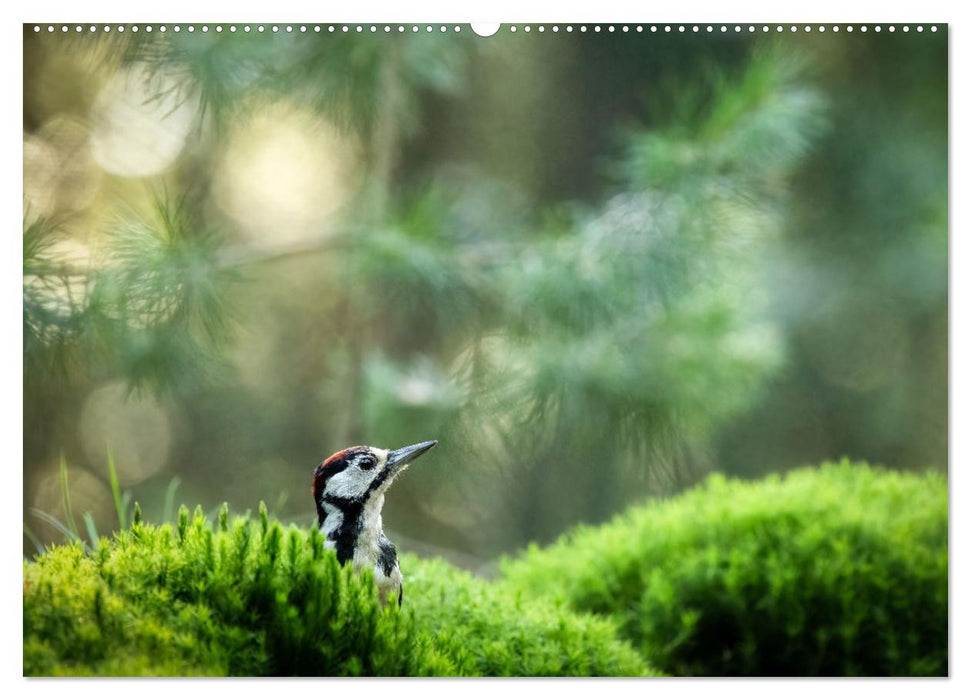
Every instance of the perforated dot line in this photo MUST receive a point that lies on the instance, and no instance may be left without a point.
(247, 28)
(428, 28)
(721, 28)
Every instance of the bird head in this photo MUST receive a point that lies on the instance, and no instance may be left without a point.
(358, 474)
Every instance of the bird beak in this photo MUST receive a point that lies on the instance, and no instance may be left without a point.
(399, 459)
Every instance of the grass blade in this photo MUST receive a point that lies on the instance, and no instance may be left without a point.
(120, 506)
(125, 501)
(168, 512)
(51, 520)
(92, 529)
(33, 538)
(66, 499)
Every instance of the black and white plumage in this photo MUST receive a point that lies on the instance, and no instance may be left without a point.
(348, 490)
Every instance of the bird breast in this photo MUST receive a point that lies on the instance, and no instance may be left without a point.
(389, 584)
(380, 556)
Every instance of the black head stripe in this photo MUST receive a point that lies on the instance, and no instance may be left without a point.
(345, 536)
(379, 479)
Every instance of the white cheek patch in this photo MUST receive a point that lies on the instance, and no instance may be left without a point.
(350, 483)
(354, 482)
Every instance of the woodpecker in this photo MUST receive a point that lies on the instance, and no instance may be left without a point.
(348, 490)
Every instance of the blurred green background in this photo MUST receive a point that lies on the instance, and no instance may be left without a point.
(596, 266)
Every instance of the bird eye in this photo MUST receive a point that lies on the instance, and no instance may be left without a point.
(367, 463)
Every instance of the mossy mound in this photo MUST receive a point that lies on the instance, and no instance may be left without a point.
(490, 629)
(840, 570)
(246, 599)
(258, 598)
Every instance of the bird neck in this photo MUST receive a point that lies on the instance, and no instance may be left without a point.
(352, 528)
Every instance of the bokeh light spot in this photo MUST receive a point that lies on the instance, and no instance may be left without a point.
(285, 175)
(78, 176)
(89, 494)
(62, 295)
(136, 427)
(40, 177)
(140, 123)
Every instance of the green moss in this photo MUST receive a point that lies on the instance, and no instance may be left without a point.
(250, 599)
(256, 598)
(840, 570)
(490, 629)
